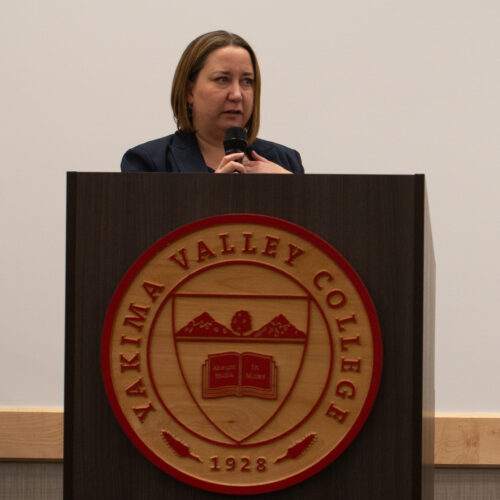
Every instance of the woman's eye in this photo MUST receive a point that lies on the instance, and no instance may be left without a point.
(248, 82)
(221, 79)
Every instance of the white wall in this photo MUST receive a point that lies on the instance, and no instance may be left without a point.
(394, 86)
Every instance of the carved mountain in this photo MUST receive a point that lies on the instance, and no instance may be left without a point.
(204, 326)
(278, 327)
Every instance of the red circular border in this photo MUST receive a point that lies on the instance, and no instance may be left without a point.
(262, 220)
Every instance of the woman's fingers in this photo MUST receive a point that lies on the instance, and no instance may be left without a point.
(261, 165)
(257, 156)
(229, 164)
(230, 168)
(256, 165)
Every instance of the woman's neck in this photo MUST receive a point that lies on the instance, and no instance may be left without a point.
(211, 149)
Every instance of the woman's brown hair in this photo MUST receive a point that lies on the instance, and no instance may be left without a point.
(190, 64)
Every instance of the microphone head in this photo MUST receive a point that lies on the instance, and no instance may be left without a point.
(236, 140)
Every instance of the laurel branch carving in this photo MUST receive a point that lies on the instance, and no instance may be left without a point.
(298, 449)
(178, 446)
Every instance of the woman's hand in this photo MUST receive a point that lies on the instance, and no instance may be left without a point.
(260, 165)
(229, 165)
(257, 165)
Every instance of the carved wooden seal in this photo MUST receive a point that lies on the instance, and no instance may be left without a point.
(241, 354)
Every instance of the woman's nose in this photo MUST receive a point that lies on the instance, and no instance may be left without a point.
(235, 93)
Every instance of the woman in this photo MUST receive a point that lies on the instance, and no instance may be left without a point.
(216, 86)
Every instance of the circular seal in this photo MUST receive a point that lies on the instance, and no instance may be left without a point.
(241, 354)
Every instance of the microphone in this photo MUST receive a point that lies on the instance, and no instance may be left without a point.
(235, 141)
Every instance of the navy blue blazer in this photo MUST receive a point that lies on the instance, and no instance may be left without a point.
(180, 152)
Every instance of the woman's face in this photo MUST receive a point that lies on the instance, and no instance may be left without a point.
(223, 92)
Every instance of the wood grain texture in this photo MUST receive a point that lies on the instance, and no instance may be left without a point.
(460, 440)
(195, 329)
(370, 220)
(468, 441)
(375, 222)
(31, 434)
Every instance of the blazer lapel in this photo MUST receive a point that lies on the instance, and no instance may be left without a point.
(185, 155)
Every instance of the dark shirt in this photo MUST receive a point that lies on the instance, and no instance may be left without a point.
(180, 152)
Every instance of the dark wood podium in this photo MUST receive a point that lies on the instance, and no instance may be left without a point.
(380, 224)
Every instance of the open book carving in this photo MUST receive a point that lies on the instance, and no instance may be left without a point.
(240, 374)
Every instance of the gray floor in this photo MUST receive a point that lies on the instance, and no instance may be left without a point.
(31, 481)
(43, 481)
(467, 484)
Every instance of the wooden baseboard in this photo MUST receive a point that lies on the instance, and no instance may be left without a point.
(460, 440)
(31, 433)
(467, 440)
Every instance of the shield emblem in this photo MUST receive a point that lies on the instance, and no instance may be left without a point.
(240, 355)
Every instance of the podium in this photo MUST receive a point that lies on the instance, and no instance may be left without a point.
(380, 224)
